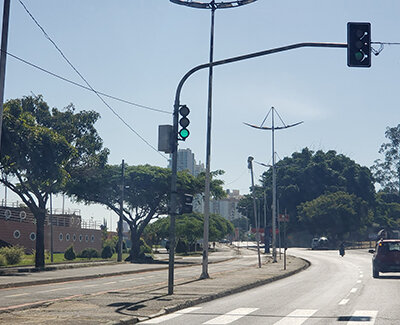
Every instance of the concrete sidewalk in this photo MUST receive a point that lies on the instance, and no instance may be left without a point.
(131, 305)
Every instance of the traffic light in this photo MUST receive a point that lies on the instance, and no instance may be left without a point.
(184, 122)
(187, 203)
(359, 45)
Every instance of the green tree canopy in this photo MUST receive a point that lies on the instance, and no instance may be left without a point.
(40, 148)
(305, 176)
(335, 215)
(189, 228)
(146, 195)
(387, 171)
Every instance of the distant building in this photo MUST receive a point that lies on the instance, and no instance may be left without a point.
(226, 207)
(18, 227)
(186, 161)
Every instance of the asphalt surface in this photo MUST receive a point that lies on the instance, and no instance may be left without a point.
(230, 270)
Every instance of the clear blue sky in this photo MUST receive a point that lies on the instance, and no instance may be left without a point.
(139, 49)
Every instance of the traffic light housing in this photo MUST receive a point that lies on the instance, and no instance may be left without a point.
(359, 45)
(187, 203)
(184, 122)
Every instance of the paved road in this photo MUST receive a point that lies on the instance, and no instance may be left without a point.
(333, 290)
(11, 298)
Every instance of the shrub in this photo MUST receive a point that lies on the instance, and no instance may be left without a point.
(144, 248)
(107, 252)
(3, 261)
(181, 246)
(13, 254)
(89, 253)
(69, 254)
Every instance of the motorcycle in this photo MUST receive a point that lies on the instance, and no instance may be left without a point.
(341, 251)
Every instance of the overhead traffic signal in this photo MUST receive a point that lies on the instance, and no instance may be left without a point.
(184, 122)
(359, 45)
(187, 203)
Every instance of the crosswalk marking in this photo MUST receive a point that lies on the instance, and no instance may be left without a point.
(297, 317)
(231, 316)
(171, 316)
(363, 317)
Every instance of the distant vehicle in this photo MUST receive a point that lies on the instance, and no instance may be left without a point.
(386, 257)
(320, 243)
(314, 243)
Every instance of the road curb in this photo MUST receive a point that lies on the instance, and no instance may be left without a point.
(94, 276)
(196, 301)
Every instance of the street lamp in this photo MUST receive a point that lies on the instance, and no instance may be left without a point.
(213, 6)
(273, 128)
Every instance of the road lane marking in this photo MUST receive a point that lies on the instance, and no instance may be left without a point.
(354, 290)
(297, 317)
(359, 281)
(90, 285)
(112, 282)
(344, 301)
(16, 295)
(127, 280)
(363, 317)
(231, 316)
(361, 275)
(171, 316)
(57, 289)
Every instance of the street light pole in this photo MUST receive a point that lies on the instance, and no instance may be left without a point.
(273, 128)
(213, 6)
(250, 166)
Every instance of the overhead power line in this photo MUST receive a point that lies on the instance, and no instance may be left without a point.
(87, 83)
(85, 87)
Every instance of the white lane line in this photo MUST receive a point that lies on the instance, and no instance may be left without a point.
(344, 301)
(363, 317)
(359, 281)
(16, 295)
(58, 289)
(90, 285)
(297, 317)
(127, 280)
(361, 275)
(171, 316)
(354, 290)
(112, 282)
(231, 316)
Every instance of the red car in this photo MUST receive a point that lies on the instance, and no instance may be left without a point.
(386, 257)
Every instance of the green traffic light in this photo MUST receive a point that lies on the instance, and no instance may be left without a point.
(359, 56)
(184, 133)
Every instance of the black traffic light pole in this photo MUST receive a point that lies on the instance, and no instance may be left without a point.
(174, 201)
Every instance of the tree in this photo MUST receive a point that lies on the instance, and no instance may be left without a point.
(40, 149)
(387, 171)
(335, 215)
(305, 176)
(145, 198)
(189, 228)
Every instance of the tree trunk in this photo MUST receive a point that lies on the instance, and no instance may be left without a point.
(39, 256)
(135, 249)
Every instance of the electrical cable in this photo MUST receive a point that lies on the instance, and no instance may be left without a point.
(87, 83)
(83, 86)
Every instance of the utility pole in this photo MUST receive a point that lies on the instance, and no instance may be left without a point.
(51, 230)
(121, 213)
(3, 57)
(250, 166)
